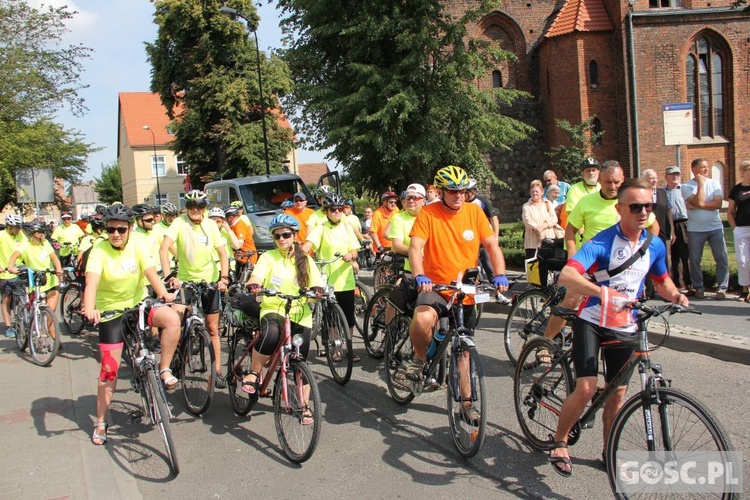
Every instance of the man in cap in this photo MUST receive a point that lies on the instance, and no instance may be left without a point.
(301, 212)
(380, 219)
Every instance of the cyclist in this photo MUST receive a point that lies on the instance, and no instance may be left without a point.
(319, 216)
(11, 239)
(244, 218)
(301, 212)
(244, 234)
(380, 219)
(590, 183)
(144, 233)
(287, 268)
(196, 238)
(113, 282)
(96, 223)
(605, 252)
(67, 235)
(332, 237)
(168, 213)
(445, 241)
(38, 255)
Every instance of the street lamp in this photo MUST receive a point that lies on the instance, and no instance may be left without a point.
(234, 13)
(156, 165)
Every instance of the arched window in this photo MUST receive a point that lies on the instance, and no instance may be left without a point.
(704, 75)
(497, 79)
(594, 73)
(596, 130)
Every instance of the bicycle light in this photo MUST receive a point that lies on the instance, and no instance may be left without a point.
(297, 340)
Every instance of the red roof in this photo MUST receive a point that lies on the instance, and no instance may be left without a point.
(580, 15)
(311, 172)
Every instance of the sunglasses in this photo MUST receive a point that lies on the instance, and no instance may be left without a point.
(414, 198)
(191, 206)
(148, 220)
(456, 192)
(636, 208)
(391, 202)
(297, 200)
(336, 209)
(119, 230)
(286, 235)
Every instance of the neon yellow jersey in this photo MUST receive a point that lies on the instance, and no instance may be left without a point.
(148, 242)
(71, 234)
(400, 228)
(316, 218)
(37, 257)
(327, 240)
(8, 245)
(280, 273)
(120, 275)
(89, 241)
(195, 247)
(578, 191)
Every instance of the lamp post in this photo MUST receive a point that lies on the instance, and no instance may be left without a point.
(234, 13)
(155, 164)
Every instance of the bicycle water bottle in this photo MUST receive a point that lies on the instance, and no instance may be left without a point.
(435, 343)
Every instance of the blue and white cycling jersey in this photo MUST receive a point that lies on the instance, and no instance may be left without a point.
(607, 251)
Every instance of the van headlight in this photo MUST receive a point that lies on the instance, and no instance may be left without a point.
(263, 232)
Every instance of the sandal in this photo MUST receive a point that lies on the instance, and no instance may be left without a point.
(251, 387)
(307, 417)
(219, 381)
(171, 382)
(95, 436)
(543, 356)
(556, 461)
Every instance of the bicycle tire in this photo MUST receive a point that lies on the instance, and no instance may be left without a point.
(298, 441)
(468, 435)
(21, 322)
(338, 343)
(42, 345)
(398, 353)
(197, 377)
(539, 389)
(71, 306)
(317, 313)
(242, 402)
(381, 274)
(162, 416)
(374, 326)
(699, 432)
(525, 321)
(361, 298)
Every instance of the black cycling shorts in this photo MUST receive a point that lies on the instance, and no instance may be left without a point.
(271, 332)
(110, 332)
(404, 296)
(210, 300)
(587, 339)
(439, 304)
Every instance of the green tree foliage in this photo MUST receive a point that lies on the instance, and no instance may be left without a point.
(567, 158)
(109, 185)
(205, 70)
(390, 87)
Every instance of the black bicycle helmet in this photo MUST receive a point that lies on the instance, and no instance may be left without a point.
(118, 212)
(100, 209)
(141, 209)
(231, 210)
(97, 222)
(588, 163)
(35, 226)
(333, 200)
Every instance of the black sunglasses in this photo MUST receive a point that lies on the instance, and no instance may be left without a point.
(635, 208)
(148, 220)
(120, 230)
(196, 205)
(286, 235)
(336, 209)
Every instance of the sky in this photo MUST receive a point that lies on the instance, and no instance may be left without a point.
(117, 31)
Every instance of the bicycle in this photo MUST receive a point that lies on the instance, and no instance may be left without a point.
(365, 257)
(374, 330)
(329, 321)
(145, 370)
(463, 369)
(361, 298)
(290, 401)
(384, 268)
(36, 327)
(657, 418)
(72, 302)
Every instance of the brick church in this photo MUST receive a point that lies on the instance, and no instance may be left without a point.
(621, 61)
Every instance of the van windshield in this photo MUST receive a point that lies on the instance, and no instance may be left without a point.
(270, 196)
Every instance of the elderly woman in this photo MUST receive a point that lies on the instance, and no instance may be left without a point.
(539, 219)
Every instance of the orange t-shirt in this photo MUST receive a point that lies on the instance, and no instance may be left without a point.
(380, 220)
(301, 216)
(452, 239)
(245, 233)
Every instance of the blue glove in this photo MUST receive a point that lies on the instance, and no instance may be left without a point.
(421, 279)
(500, 280)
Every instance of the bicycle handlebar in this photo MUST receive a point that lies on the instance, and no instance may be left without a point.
(651, 311)
(268, 292)
(322, 263)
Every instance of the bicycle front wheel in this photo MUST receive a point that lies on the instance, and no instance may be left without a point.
(374, 327)
(527, 319)
(21, 323)
(540, 386)
(398, 353)
(197, 377)
(71, 309)
(361, 298)
(680, 425)
(381, 274)
(44, 337)
(238, 367)
(467, 407)
(161, 417)
(338, 340)
(297, 411)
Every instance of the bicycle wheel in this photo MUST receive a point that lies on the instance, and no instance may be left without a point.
(197, 376)
(298, 439)
(44, 337)
(680, 424)
(71, 307)
(467, 411)
(526, 319)
(21, 322)
(317, 321)
(381, 274)
(338, 340)
(361, 298)
(161, 417)
(238, 366)
(374, 326)
(398, 352)
(539, 389)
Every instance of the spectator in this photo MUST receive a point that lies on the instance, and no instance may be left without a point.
(662, 209)
(679, 251)
(549, 178)
(703, 197)
(590, 184)
(367, 221)
(551, 194)
(539, 219)
(738, 216)
(432, 194)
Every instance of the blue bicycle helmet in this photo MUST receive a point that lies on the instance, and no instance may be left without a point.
(284, 220)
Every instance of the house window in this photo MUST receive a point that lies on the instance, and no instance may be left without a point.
(704, 74)
(594, 74)
(596, 130)
(182, 168)
(158, 166)
(497, 79)
(161, 199)
(660, 4)
(182, 200)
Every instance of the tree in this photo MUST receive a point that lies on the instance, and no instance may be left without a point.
(567, 158)
(205, 71)
(109, 185)
(390, 87)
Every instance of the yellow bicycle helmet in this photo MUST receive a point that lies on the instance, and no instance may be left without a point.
(452, 178)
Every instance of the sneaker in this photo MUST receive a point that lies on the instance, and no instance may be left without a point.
(700, 294)
(502, 299)
(470, 415)
(720, 295)
(414, 369)
(10, 332)
(219, 381)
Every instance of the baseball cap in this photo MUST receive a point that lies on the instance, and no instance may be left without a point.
(416, 189)
(387, 195)
(673, 170)
(66, 215)
(299, 194)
